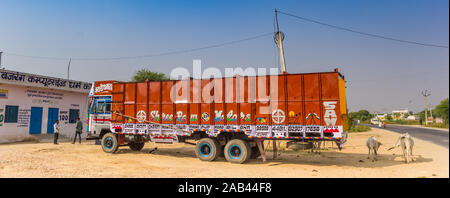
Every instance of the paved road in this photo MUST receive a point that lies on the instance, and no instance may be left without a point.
(438, 137)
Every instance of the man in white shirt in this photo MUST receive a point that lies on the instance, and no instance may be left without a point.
(56, 131)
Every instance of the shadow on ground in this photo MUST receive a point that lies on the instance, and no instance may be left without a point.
(326, 158)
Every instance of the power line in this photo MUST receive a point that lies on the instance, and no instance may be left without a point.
(362, 33)
(148, 55)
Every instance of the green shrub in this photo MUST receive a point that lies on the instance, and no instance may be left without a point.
(405, 122)
(359, 128)
(438, 125)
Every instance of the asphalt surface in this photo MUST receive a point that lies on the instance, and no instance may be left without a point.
(438, 137)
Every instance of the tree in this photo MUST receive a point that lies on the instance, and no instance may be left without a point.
(406, 115)
(422, 115)
(143, 74)
(362, 115)
(441, 110)
(389, 117)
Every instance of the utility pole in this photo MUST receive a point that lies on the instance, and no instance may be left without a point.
(430, 108)
(68, 69)
(1, 59)
(425, 94)
(279, 37)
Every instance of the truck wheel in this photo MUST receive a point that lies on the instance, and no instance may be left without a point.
(109, 143)
(137, 146)
(237, 151)
(207, 149)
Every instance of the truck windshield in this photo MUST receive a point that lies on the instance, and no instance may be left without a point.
(103, 107)
(100, 107)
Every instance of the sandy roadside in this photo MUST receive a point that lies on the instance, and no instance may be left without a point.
(178, 160)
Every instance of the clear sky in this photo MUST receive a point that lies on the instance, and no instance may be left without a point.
(382, 75)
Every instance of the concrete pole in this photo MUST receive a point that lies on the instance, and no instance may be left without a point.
(426, 111)
(431, 112)
(425, 95)
(1, 59)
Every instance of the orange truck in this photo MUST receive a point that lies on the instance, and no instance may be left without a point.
(225, 116)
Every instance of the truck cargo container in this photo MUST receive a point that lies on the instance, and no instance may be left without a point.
(224, 115)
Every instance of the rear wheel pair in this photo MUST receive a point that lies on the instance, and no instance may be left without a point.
(235, 151)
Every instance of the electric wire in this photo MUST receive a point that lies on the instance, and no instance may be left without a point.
(362, 33)
(145, 56)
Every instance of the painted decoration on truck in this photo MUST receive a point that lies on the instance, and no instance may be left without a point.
(279, 130)
(247, 128)
(181, 117)
(128, 128)
(331, 129)
(182, 129)
(141, 128)
(219, 116)
(231, 116)
(205, 116)
(330, 116)
(154, 128)
(219, 127)
(167, 129)
(296, 130)
(154, 116)
(141, 116)
(245, 117)
(194, 118)
(231, 126)
(103, 87)
(261, 120)
(313, 128)
(311, 117)
(194, 127)
(278, 116)
(262, 130)
(294, 117)
(167, 117)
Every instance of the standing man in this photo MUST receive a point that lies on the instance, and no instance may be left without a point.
(56, 131)
(420, 122)
(78, 130)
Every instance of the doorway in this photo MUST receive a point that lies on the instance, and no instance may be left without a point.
(53, 114)
(36, 120)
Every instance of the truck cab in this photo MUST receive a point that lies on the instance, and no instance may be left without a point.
(99, 118)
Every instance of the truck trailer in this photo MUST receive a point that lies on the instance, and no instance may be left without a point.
(225, 116)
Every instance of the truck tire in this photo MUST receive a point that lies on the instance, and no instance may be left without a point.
(137, 146)
(237, 151)
(207, 149)
(110, 143)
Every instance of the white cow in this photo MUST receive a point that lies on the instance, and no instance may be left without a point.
(373, 144)
(406, 142)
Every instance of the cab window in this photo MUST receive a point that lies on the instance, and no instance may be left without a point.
(100, 107)
(108, 107)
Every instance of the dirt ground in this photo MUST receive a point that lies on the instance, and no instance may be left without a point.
(178, 160)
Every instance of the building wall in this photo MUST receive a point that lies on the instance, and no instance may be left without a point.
(26, 97)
